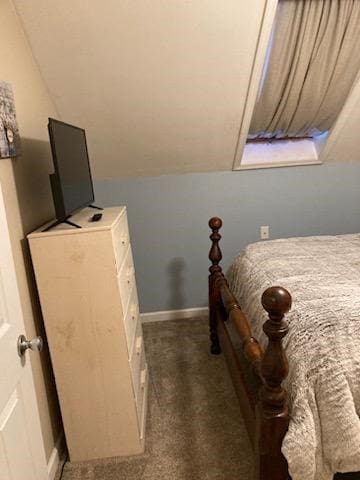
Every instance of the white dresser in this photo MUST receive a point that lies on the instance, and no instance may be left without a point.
(86, 283)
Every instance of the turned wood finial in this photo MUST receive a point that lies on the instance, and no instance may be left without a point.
(276, 301)
(274, 368)
(215, 223)
(215, 254)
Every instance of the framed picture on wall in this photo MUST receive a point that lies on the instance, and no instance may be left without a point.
(9, 132)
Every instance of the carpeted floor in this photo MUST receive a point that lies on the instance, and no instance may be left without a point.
(194, 428)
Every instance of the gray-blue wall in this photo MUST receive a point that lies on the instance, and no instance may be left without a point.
(168, 218)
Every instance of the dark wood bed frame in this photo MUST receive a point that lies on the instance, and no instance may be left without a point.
(266, 413)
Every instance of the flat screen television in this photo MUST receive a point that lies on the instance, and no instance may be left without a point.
(71, 184)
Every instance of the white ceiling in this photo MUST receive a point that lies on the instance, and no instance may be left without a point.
(159, 85)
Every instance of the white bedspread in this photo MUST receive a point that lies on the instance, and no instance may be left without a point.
(323, 344)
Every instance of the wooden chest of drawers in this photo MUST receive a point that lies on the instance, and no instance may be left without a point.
(87, 289)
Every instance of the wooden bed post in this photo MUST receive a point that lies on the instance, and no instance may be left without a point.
(272, 411)
(215, 256)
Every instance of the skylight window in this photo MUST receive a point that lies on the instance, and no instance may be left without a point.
(307, 70)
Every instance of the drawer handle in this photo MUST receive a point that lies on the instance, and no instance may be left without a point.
(138, 345)
(134, 310)
(124, 240)
(129, 274)
(143, 377)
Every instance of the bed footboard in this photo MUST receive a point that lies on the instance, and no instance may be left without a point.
(267, 417)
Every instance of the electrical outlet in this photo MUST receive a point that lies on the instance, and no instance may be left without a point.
(264, 232)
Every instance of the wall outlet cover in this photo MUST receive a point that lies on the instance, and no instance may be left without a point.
(264, 232)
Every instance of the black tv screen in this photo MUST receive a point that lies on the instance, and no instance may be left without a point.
(71, 184)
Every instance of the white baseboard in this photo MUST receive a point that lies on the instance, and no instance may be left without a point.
(174, 314)
(56, 456)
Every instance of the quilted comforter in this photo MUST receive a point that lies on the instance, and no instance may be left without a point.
(323, 344)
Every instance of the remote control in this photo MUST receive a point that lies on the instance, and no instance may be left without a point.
(96, 217)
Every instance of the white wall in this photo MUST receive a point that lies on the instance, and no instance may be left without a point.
(344, 144)
(25, 185)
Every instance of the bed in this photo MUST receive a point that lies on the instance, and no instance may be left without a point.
(295, 368)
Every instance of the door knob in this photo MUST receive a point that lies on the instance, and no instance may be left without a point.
(36, 345)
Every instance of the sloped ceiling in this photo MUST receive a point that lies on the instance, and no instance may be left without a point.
(158, 85)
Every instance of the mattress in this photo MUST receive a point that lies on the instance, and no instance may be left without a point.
(323, 344)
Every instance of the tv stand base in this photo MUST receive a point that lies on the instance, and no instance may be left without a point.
(58, 222)
(96, 207)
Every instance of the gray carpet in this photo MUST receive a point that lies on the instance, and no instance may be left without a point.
(194, 426)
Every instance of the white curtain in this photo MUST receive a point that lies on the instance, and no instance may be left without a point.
(314, 60)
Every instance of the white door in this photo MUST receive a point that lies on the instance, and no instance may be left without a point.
(21, 445)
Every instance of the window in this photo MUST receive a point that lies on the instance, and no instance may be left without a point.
(304, 69)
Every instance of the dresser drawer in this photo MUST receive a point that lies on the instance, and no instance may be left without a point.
(131, 319)
(120, 240)
(141, 399)
(126, 279)
(137, 357)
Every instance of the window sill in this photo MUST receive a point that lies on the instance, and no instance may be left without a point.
(280, 153)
